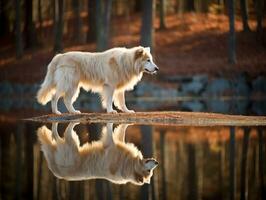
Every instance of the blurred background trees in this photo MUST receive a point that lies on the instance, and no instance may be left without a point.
(32, 23)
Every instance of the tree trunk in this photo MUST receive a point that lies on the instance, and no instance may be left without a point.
(204, 6)
(180, 7)
(225, 10)
(58, 24)
(91, 34)
(244, 15)
(40, 15)
(103, 15)
(19, 46)
(107, 22)
(77, 21)
(162, 14)
(99, 26)
(232, 36)
(30, 32)
(259, 13)
(3, 19)
(190, 6)
(147, 30)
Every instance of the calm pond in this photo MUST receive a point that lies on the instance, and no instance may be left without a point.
(104, 161)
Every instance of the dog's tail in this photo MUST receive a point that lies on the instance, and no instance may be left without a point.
(45, 136)
(48, 146)
(46, 91)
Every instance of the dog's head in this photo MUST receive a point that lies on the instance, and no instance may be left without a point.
(144, 170)
(143, 60)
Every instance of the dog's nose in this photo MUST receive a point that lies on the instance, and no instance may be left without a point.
(156, 68)
(156, 162)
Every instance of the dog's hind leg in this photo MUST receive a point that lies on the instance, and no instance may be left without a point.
(119, 100)
(71, 136)
(107, 136)
(54, 102)
(107, 98)
(69, 98)
(54, 131)
(120, 132)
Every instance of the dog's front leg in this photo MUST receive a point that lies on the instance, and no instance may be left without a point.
(120, 102)
(108, 92)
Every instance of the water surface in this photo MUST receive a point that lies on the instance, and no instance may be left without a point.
(217, 162)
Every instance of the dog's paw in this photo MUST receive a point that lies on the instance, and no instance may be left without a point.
(129, 111)
(75, 112)
(57, 112)
(112, 111)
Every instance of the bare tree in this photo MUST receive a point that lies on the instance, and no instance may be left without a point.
(107, 22)
(190, 5)
(259, 13)
(40, 15)
(30, 32)
(77, 21)
(147, 30)
(232, 36)
(244, 14)
(58, 24)
(91, 34)
(162, 14)
(19, 46)
(3, 18)
(103, 18)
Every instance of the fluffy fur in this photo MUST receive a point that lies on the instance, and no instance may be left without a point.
(109, 158)
(109, 73)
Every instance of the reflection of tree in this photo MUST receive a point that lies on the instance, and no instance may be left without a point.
(162, 153)
(40, 174)
(261, 163)
(30, 134)
(222, 161)
(103, 188)
(192, 173)
(76, 190)
(146, 149)
(181, 169)
(243, 177)
(232, 163)
(19, 179)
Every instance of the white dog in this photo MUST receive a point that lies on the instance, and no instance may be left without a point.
(109, 73)
(109, 158)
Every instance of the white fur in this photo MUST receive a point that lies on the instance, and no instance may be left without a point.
(109, 158)
(109, 73)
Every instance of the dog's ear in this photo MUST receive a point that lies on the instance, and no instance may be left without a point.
(148, 49)
(150, 163)
(139, 52)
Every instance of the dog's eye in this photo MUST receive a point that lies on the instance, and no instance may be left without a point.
(149, 170)
(148, 60)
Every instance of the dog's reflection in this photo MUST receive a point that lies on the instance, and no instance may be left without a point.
(109, 158)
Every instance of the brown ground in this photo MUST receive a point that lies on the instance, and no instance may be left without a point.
(194, 43)
(157, 118)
